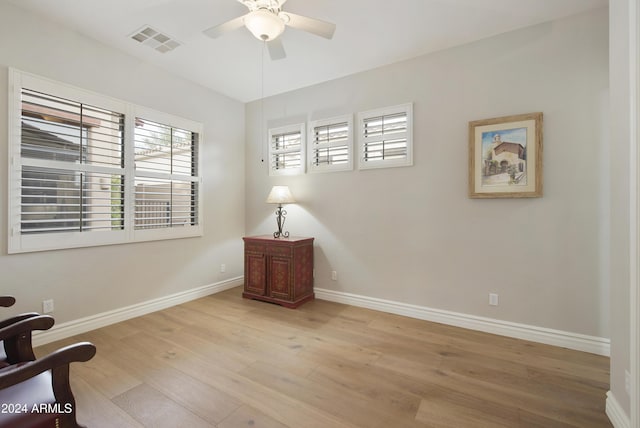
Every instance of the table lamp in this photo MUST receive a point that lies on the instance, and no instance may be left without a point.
(280, 195)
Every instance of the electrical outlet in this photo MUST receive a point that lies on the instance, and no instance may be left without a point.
(47, 306)
(493, 299)
(627, 382)
(334, 275)
(223, 268)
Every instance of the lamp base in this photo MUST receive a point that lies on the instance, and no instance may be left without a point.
(280, 218)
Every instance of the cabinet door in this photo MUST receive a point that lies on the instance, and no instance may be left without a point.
(255, 268)
(280, 277)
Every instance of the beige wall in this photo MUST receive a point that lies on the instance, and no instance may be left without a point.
(90, 281)
(411, 234)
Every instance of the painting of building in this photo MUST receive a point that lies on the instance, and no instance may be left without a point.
(505, 162)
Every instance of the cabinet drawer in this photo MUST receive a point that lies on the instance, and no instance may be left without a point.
(279, 250)
(252, 247)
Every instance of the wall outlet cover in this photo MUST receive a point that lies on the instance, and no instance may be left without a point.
(493, 299)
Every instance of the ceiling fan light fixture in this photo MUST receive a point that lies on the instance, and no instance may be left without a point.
(264, 24)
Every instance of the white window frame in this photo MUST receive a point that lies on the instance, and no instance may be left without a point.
(313, 145)
(363, 141)
(288, 129)
(20, 243)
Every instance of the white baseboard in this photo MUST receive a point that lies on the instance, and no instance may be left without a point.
(616, 414)
(82, 325)
(579, 342)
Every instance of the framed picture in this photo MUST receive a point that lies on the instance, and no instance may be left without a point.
(505, 157)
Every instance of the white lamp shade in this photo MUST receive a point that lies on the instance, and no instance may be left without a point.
(264, 25)
(280, 195)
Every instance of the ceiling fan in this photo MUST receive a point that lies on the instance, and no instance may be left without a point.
(266, 20)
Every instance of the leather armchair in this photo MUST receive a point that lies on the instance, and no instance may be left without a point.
(37, 394)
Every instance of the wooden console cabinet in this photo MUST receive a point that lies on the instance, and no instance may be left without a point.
(278, 270)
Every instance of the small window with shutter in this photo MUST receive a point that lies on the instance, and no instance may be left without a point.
(286, 150)
(385, 137)
(330, 144)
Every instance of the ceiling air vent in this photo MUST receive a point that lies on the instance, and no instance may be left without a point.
(155, 39)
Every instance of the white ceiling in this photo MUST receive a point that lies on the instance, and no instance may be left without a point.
(369, 34)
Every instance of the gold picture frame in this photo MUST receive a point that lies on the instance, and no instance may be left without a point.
(505, 157)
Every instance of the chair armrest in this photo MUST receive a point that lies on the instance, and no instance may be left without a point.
(38, 322)
(16, 318)
(7, 301)
(15, 374)
(17, 338)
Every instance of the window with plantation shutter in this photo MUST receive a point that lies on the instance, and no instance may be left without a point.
(330, 144)
(385, 137)
(286, 150)
(166, 176)
(72, 166)
(86, 169)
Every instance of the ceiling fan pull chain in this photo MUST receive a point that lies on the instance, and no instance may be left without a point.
(262, 133)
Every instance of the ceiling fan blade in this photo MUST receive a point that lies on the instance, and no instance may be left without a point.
(276, 50)
(311, 25)
(218, 30)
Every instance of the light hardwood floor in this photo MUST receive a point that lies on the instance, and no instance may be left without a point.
(223, 361)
